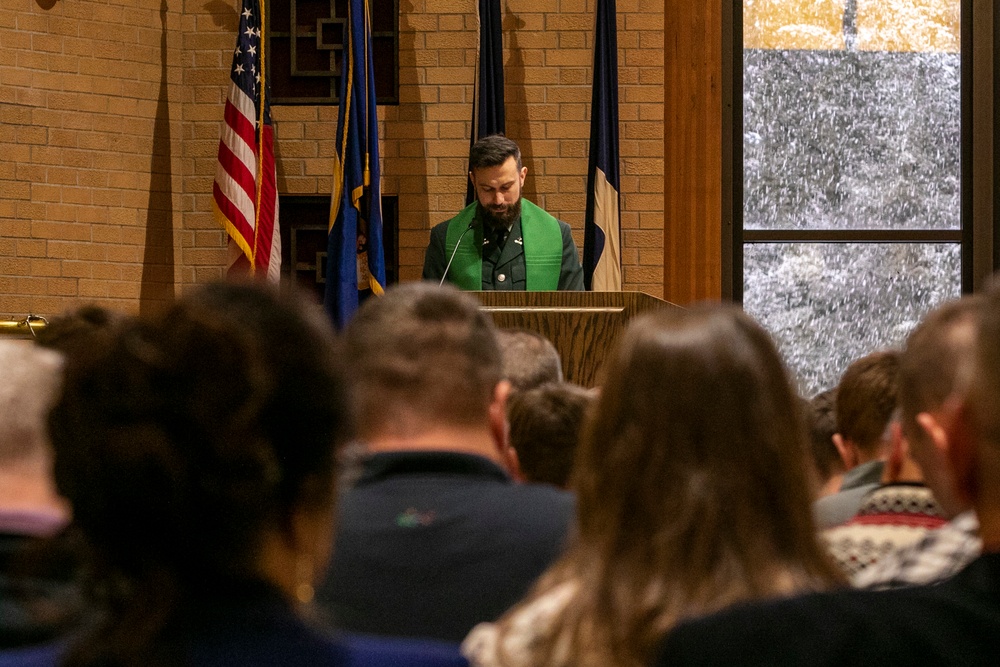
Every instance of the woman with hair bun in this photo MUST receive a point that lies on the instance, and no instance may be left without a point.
(197, 449)
(692, 495)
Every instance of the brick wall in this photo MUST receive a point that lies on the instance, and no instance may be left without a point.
(109, 122)
(87, 139)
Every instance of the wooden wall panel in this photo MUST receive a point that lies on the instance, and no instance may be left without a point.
(692, 151)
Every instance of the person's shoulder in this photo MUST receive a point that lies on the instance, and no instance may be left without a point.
(441, 228)
(534, 504)
(840, 507)
(790, 631)
(548, 492)
(945, 623)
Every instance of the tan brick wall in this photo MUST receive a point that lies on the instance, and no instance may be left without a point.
(87, 169)
(109, 122)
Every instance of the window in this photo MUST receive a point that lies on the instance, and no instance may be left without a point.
(306, 43)
(851, 185)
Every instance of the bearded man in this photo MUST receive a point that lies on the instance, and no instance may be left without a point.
(502, 241)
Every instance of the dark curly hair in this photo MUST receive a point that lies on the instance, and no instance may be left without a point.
(185, 438)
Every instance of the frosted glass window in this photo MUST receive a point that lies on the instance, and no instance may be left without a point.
(827, 304)
(851, 133)
(847, 139)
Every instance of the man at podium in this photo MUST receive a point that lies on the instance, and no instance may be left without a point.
(502, 241)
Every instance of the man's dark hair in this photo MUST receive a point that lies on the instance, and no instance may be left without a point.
(866, 398)
(545, 427)
(493, 151)
(821, 422)
(75, 331)
(529, 359)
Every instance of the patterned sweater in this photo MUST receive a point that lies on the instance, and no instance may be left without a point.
(892, 517)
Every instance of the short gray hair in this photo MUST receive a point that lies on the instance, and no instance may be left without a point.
(30, 380)
(529, 359)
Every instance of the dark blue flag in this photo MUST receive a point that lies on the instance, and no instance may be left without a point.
(487, 102)
(355, 259)
(602, 266)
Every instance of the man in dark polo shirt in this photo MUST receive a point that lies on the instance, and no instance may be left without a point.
(435, 536)
(502, 241)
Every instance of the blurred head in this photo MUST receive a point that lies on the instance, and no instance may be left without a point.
(545, 427)
(866, 399)
(974, 438)
(29, 384)
(529, 359)
(692, 486)
(497, 175)
(196, 445)
(74, 331)
(929, 368)
(821, 425)
(421, 357)
(31, 377)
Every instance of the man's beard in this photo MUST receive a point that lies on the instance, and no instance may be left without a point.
(500, 219)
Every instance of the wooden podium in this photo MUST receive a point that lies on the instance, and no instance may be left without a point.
(584, 326)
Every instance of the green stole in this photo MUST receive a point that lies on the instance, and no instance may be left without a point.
(543, 249)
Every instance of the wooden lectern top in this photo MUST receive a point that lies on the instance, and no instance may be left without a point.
(584, 326)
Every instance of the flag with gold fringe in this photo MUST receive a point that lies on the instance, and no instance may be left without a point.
(245, 193)
(355, 258)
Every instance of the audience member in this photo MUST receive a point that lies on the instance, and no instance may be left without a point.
(821, 421)
(896, 515)
(955, 622)
(545, 427)
(929, 365)
(435, 536)
(692, 495)
(866, 399)
(528, 359)
(39, 592)
(76, 330)
(198, 451)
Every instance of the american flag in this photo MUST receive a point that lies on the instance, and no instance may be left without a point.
(245, 196)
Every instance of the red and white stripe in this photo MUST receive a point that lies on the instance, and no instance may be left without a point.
(245, 191)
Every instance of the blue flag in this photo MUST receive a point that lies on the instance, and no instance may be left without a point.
(602, 266)
(487, 102)
(355, 258)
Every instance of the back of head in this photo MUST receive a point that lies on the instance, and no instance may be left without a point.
(545, 425)
(691, 482)
(419, 357)
(935, 351)
(74, 331)
(821, 423)
(984, 396)
(186, 439)
(529, 359)
(493, 151)
(29, 383)
(866, 399)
